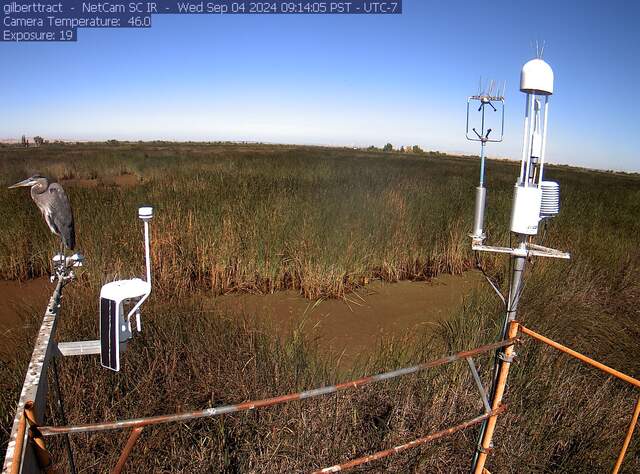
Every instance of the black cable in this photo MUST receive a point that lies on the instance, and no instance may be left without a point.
(63, 417)
(491, 282)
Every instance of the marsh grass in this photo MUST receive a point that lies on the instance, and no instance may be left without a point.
(325, 221)
(250, 218)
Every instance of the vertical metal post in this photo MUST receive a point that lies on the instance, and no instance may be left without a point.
(43, 457)
(482, 163)
(500, 387)
(522, 177)
(128, 447)
(515, 291)
(481, 191)
(147, 251)
(544, 136)
(627, 439)
(478, 216)
(16, 466)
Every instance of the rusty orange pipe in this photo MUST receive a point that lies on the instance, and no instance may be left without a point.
(17, 456)
(126, 451)
(497, 401)
(627, 439)
(45, 462)
(412, 444)
(583, 358)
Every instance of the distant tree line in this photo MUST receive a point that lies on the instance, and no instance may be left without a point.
(403, 149)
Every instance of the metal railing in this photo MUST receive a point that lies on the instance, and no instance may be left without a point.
(138, 424)
(604, 368)
(26, 451)
(22, 450)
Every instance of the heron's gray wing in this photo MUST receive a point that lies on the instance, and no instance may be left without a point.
(61, 214)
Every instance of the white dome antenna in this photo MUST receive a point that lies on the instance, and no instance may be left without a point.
(536, 77)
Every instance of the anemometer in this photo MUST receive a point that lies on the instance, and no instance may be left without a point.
(485, 98)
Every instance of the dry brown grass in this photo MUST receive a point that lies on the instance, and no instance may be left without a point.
(322, 221)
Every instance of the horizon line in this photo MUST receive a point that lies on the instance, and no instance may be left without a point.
(460, 154)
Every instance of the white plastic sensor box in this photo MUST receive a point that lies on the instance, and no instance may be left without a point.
(525, 215)
(115, 322)
(145, 213)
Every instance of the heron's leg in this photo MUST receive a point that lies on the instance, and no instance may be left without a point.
(61, 262)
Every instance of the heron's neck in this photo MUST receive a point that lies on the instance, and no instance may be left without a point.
(38, 188)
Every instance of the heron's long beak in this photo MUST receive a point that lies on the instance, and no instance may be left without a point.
(22, 184)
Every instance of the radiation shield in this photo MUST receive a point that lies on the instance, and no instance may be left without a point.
(109, 334)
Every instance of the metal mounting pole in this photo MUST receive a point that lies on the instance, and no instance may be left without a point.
(500, 386)
(503, 356)
(481, 198)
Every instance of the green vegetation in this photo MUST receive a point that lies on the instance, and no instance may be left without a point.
(324, 222)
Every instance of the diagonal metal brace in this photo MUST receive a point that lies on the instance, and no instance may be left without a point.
(476, 377)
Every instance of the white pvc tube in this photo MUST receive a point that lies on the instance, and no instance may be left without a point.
(531, 123)
(148, 264)
(525, 139)
(147, 251)
(544, 138)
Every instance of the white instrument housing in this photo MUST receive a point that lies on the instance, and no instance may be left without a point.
(115, 326)
(525, 214)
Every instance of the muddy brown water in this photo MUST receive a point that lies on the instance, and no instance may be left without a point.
(355, 327)
(350, 328)
(122, 181)
(18, 298)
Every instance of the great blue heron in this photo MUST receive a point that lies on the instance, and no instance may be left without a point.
(55, 207)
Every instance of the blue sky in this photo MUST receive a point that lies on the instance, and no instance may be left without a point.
(344, 80)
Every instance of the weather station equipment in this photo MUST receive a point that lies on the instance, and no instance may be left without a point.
(120, 303)
(63, 265)
(115, 322)
(484, 98)
(534, 201)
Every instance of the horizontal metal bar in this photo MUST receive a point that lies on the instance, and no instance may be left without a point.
(77, 348)
(251, 405)
(583, 358)
(491, 248)
(531, 250)
(413, 444)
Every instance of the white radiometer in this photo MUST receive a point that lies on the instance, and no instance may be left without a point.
(534, 199)
(115, 325)
(536, 77)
